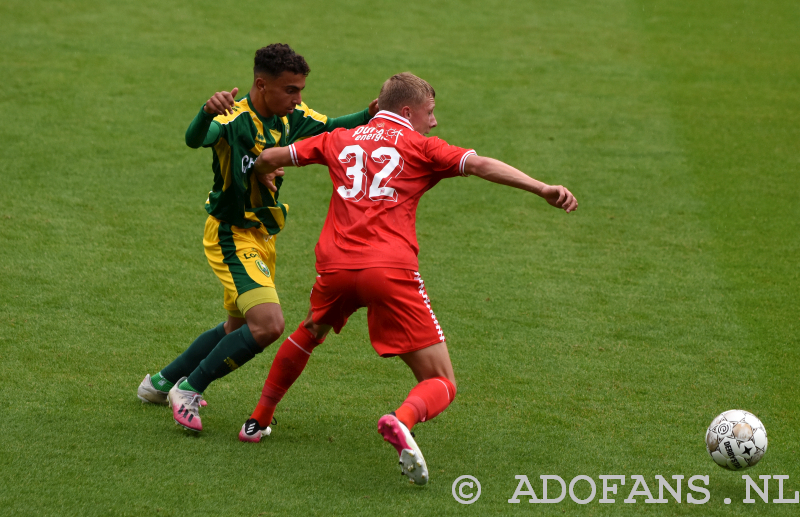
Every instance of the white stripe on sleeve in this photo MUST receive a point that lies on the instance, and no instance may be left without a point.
(464, 161)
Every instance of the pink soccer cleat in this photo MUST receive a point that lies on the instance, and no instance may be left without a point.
(412, 464)
(252, 432)
(185, 407)
(148, 393)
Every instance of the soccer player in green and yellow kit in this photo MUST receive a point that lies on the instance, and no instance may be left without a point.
(243, 222)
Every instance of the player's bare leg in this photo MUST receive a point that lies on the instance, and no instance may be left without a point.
(287, 366)
(435, 391)
(319, 331)
(265, 322)
(430, 362)
(233, 323)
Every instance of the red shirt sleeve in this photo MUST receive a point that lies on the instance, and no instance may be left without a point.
(308, 151)
(446, 159)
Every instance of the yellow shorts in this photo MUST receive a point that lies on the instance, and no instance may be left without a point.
(244, 261)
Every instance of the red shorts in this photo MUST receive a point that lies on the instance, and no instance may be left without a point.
(399, 311)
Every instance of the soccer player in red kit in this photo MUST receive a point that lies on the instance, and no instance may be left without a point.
(367, 252)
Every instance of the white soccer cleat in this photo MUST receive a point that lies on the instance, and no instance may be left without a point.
(412, 463)
(148, 393)
(186, 407)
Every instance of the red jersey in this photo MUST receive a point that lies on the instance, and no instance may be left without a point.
(379, 173)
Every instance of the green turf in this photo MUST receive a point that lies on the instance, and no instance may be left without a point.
(601, 342)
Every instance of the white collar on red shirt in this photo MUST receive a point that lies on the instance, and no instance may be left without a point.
(394, 117)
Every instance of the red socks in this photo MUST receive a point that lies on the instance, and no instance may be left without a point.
(287, 366)
(426, 400)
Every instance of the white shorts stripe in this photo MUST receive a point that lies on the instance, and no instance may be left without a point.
(427, 302)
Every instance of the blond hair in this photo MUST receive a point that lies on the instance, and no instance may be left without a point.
(402, 90)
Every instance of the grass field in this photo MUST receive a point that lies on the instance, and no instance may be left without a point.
(600, 342)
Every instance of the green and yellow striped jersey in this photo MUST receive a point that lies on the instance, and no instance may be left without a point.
(237, 197)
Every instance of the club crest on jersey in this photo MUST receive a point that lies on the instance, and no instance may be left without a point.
(262, 267)
(379, 124)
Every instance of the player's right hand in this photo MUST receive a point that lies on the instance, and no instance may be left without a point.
(560, 197)
(268, 180)
(221, 103)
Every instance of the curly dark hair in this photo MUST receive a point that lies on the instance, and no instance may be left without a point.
(278, 58)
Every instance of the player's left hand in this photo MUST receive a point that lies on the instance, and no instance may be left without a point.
(560, 197)
(221, 103)
(373, 108)
(268, 180)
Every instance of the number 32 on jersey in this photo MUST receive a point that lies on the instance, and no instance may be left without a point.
(361, 170)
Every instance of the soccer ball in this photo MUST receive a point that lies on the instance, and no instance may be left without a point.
(736, 440)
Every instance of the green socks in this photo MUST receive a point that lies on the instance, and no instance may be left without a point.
(233, 351)
(187, 362)
(160, 383)
(187, 387)
(211, 356)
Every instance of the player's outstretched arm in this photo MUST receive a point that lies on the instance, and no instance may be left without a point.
(352, 120)
(269, 165)
(201, 132)
(504, 174)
